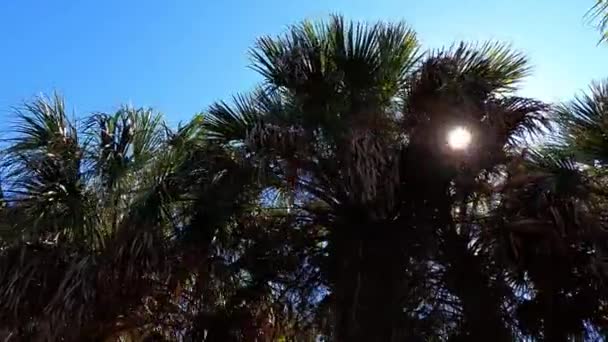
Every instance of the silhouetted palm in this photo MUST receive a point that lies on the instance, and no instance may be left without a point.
(326, 203)
(88, 217)
(352, 120)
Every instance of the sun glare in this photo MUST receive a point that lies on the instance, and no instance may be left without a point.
(459, 138)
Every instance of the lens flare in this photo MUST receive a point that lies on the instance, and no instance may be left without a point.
(459, 138)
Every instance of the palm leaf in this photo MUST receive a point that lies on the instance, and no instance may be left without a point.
(232, 123)
(584, 125)
(599, 13)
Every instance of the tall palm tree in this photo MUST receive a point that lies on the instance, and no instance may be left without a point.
(582, 125)
(548, 229)
(546, 234)
(87, 216)
(352, 120)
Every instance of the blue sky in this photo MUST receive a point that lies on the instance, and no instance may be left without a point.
(179, 56)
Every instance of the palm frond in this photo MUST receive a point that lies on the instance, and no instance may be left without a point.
(584, 125)
(599, 14)
(279, 61)
(148, 137)
(507, 67)
(564, 177)
(190, 133)
(229, 123)
(44, 174)
(123, 143)
(465, 85)
(515, 119)
(339, 73)
(43, 123)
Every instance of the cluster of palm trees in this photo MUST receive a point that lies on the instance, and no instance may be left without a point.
(325, 205)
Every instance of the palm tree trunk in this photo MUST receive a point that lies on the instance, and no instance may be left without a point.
(546, 276)
(467, 279)
(369, 268)
(551, 330)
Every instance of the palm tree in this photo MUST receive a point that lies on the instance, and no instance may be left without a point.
(351, 119)
(88, 216)
(548, 230)
(545, 233)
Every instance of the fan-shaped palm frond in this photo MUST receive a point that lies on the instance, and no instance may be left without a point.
(471, 87)
(502, 67)
(43, 123)
(123, 143)
(336, 71)
(233, 122)
(584, 125)
(44, 174)
(466, 76)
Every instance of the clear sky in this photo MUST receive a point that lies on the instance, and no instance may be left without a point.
(179, 56)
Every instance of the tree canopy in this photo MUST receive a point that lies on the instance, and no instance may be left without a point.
(327, 204)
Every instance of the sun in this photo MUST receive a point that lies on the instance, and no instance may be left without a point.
(459, 138)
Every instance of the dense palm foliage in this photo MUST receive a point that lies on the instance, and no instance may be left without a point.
(325, 204)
